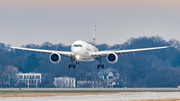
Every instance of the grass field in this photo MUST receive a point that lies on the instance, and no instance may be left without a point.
(47, 93)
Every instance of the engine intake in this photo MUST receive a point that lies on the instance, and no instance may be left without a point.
(112, 57)
(55, 58)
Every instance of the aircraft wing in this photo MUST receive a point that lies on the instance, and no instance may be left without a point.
(63, 53)
(121, 52)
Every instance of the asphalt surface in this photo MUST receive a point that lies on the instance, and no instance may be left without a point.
(126, 96)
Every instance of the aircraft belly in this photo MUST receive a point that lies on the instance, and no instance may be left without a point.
(86, 58)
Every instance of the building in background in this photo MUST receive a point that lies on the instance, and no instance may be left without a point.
(65, 82)
(9, 76)
(105, 78)
(29, 79)
(110, 76)
(88, 83)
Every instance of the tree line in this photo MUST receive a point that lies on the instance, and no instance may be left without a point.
(155, 68)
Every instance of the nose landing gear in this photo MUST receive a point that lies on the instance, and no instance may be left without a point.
(77, 62)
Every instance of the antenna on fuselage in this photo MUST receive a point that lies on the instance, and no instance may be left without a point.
(94, 36)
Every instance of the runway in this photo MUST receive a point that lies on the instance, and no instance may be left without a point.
(126, 96)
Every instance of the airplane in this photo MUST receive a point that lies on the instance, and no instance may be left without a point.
(83, 51)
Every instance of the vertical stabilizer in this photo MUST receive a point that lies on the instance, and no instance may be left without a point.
(94, 36)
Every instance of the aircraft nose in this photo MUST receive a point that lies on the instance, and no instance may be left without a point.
(77, 50)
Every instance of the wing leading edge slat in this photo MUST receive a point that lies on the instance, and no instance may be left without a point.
(120, 52)
(63, 53)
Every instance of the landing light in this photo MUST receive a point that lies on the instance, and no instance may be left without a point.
(77, 57)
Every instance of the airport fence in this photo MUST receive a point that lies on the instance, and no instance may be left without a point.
(106, 89)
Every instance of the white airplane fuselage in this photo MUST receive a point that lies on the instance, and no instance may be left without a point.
(82, 51)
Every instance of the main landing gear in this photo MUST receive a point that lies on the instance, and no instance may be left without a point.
(72, 65)
(100, 64)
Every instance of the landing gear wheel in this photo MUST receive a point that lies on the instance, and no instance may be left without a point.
(74, 66)
(77, 62)
(97, 66)
(102, 66)
(100, 63)
(69, 66)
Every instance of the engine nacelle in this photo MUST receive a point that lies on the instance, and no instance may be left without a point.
(112, 57)
(55, 58)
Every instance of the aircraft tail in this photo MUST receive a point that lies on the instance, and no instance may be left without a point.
(94, 36)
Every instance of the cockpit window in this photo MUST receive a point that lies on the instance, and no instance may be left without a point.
(77, 46)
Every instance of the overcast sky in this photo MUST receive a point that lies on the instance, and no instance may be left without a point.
(65, 21)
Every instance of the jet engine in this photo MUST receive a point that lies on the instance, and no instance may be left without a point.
(112, 57)
(55, 58)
